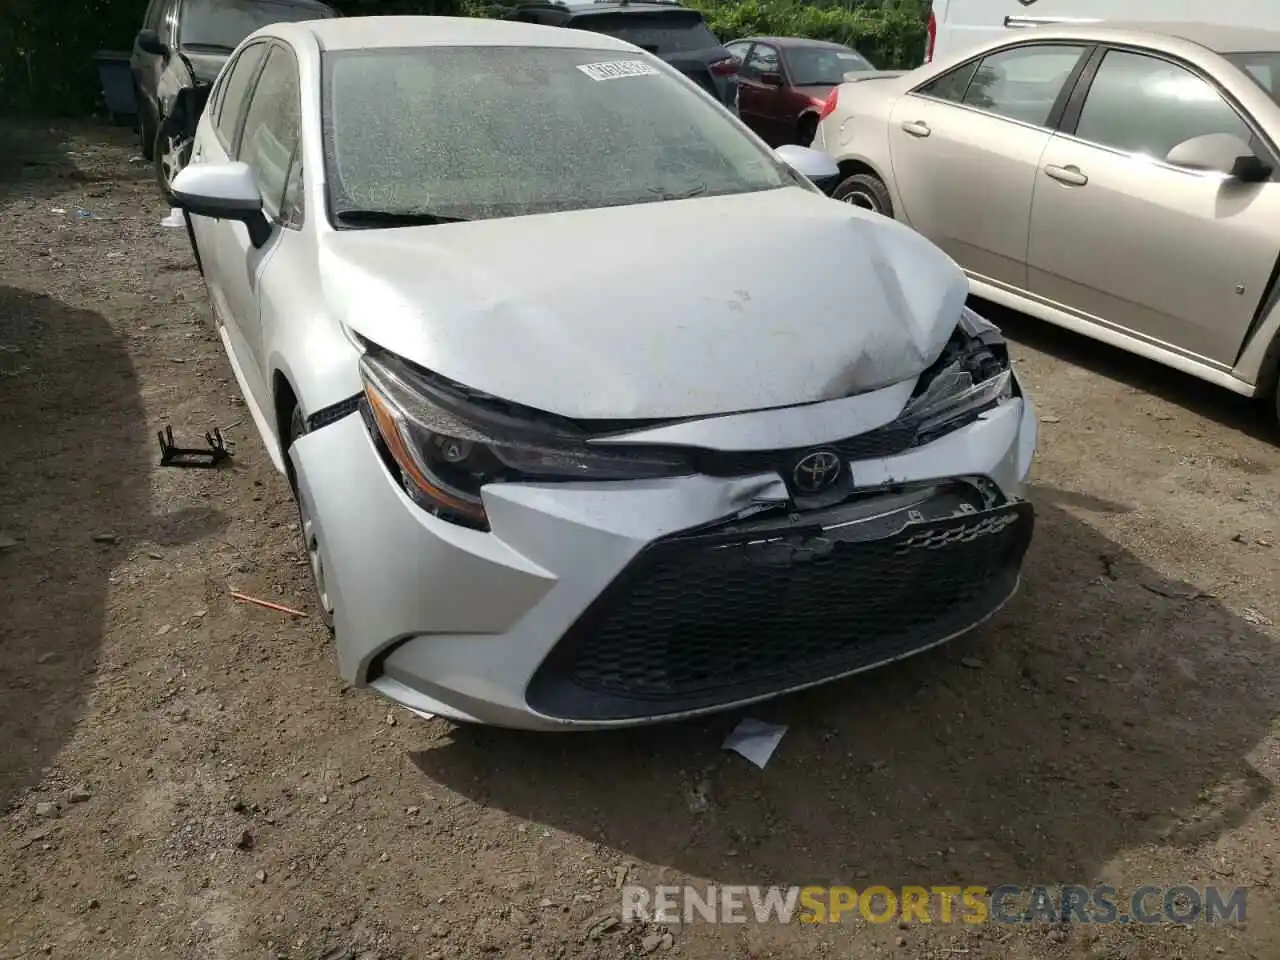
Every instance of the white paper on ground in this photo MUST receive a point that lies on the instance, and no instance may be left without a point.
(174, 219)
(755, 740)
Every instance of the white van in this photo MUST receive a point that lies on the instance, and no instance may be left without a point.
(955, 25)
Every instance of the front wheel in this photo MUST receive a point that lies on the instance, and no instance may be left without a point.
(172, 153)
(867, 191)
(310, 536)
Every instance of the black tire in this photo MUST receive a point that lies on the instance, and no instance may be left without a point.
(171, 152)
(867, 191)
(310, 545)
(146, 130)
(806, 130)
(1275, 397)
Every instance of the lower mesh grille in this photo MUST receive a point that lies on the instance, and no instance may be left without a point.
(711, 618)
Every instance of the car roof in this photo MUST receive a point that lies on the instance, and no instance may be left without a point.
(1212, 36)
(371, 33)
(789, 42)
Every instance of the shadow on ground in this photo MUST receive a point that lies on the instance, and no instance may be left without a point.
(40, 162)
(74, 465)
(1181, 389)
(1074, 729)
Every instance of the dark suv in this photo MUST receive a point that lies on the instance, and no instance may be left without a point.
(176, 57)
(666, 29)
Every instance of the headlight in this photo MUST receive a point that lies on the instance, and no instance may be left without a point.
(970, 377)
(446, 447)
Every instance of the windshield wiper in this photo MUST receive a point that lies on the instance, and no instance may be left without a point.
(395, 218)
(693, 191)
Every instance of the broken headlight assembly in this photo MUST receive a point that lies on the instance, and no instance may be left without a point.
(445, 446)
(970, 377)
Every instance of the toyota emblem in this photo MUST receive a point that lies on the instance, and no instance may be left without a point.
(816, 472)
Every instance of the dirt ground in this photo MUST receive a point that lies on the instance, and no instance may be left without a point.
(184, 776)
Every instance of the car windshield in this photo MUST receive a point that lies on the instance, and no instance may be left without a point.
(484, 132)
(1263, 66)
(824, 66)
(661, 33)
(222, 24)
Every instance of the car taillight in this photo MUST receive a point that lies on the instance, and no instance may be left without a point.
(932, 37)
(725, 67)
(829, 107)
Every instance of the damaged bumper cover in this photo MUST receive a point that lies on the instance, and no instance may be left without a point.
(602, 604)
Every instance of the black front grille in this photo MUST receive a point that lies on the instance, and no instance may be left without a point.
(712, 618)
(886, 441)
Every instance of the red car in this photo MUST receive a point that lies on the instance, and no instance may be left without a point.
(784, 81)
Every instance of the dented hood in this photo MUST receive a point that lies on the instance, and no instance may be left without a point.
(685, 308)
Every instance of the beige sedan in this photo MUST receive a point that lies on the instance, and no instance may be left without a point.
(1121, 181)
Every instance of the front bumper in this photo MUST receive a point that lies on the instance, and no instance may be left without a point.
(593, 605)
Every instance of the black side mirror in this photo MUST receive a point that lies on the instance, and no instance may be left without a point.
(1251, 169)
(149, 42)
(771, 79)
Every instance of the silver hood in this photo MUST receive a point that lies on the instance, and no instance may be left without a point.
(683, 308)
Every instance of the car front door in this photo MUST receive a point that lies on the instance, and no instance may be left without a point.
(267, 142)
(1177, 257)
(218, 240)
(966, 147)
(758, 102)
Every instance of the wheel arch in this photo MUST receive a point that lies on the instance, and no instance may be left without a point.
(1259, 360)
(322, 392)
(851, 166)
(284, 403)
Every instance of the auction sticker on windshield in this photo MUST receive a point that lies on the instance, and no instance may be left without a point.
(616, 69)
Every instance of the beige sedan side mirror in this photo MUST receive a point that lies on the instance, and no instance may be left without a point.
(1222, 152)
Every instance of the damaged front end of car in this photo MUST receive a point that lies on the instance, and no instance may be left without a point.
(665, 570)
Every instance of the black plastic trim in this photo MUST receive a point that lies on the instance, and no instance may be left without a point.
(333, 413)
(1066, 111)
(612, 664)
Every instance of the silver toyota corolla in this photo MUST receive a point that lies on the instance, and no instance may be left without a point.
(597, 411)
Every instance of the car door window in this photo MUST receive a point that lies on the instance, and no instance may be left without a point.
(271, 127)
(292, 207)
(739, 50)
(215, 97)
(763, 59)
(1145, 105)
(238, 83)
(151, 19)
(1023, 83)
(952, 84)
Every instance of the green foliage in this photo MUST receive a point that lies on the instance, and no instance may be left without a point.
(47, 46)
(891, 33)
